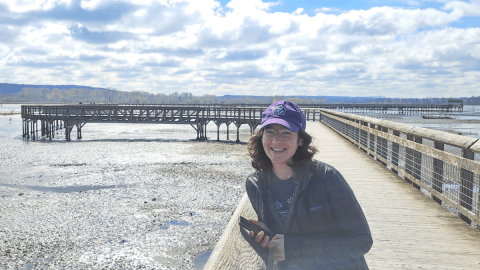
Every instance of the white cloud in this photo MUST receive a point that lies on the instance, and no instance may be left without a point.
(32, 5)
(326, 9)
(298, 11)
(192, 44)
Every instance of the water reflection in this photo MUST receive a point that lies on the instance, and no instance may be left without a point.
(67, 189)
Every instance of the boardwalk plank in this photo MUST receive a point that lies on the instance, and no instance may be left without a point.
(410, 231)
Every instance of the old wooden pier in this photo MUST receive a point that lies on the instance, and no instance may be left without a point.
(46, 120)
(51, 118)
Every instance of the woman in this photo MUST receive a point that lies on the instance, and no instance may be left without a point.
(306, 204)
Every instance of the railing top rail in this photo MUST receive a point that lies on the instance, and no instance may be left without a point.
(464, 142)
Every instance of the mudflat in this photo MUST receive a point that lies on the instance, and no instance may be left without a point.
(134, 196)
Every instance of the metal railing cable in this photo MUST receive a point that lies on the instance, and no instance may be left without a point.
(418, 155)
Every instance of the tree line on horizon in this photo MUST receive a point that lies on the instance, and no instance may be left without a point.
(113, 96)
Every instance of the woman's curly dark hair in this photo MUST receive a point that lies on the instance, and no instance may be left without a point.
(262, 162)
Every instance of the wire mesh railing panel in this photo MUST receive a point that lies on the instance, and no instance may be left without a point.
(395, 153)
(448, 183)
(364, 137)
(371, 142)
(427, 171)
(356, 133)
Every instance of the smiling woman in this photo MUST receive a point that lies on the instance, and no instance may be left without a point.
(308, 206)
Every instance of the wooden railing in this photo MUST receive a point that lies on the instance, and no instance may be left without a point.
(235, 250)
(440, 163)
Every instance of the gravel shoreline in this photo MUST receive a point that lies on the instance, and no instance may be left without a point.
(116, 204)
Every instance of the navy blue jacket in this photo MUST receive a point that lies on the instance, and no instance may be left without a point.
(325, 226)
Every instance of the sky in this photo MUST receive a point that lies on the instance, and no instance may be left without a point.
(393, 48)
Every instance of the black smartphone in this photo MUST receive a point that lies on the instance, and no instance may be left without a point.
(247, 225)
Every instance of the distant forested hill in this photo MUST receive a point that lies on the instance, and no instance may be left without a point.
(86, 94)
(11, 88)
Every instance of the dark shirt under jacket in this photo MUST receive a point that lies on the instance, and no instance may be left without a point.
(282, 191)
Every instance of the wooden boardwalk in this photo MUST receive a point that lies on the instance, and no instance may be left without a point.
(410, 230)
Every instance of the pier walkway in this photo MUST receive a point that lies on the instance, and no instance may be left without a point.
(410, 230)
(404, 181)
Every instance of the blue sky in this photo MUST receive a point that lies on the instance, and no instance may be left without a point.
(404, 48)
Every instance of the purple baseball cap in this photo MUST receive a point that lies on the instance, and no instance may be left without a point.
(285, 113)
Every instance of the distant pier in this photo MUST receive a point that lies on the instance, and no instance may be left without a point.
(453, 105)
(42, 120)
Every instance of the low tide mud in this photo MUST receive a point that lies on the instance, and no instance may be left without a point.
(116, 203)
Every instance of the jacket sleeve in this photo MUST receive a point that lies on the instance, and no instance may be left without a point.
(254, 197)
(348, 236)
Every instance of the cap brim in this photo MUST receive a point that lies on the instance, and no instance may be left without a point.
(291, 126)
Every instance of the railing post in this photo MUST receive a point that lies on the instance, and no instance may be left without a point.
(466, 186)
(381, 145)
(409, 159)
(395, 151)
(364, 135)
(418, 162)
(437, 184)
(371, 140)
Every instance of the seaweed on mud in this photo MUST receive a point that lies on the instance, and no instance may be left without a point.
(69, 165)
(196, 171)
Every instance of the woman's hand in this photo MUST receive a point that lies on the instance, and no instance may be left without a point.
(260, 235)
(277, 245)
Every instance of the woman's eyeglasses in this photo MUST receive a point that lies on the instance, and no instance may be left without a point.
(283, 135)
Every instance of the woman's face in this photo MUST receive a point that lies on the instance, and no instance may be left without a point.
(280, 143)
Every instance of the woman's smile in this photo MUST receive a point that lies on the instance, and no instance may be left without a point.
(280, 144)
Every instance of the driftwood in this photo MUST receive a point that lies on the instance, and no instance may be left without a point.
(235, 249)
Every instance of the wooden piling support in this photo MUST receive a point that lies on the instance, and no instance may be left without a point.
(228, 126)
(42, 127)
(205, 134)
(33, 130)
(238, 133)
(79, 131)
